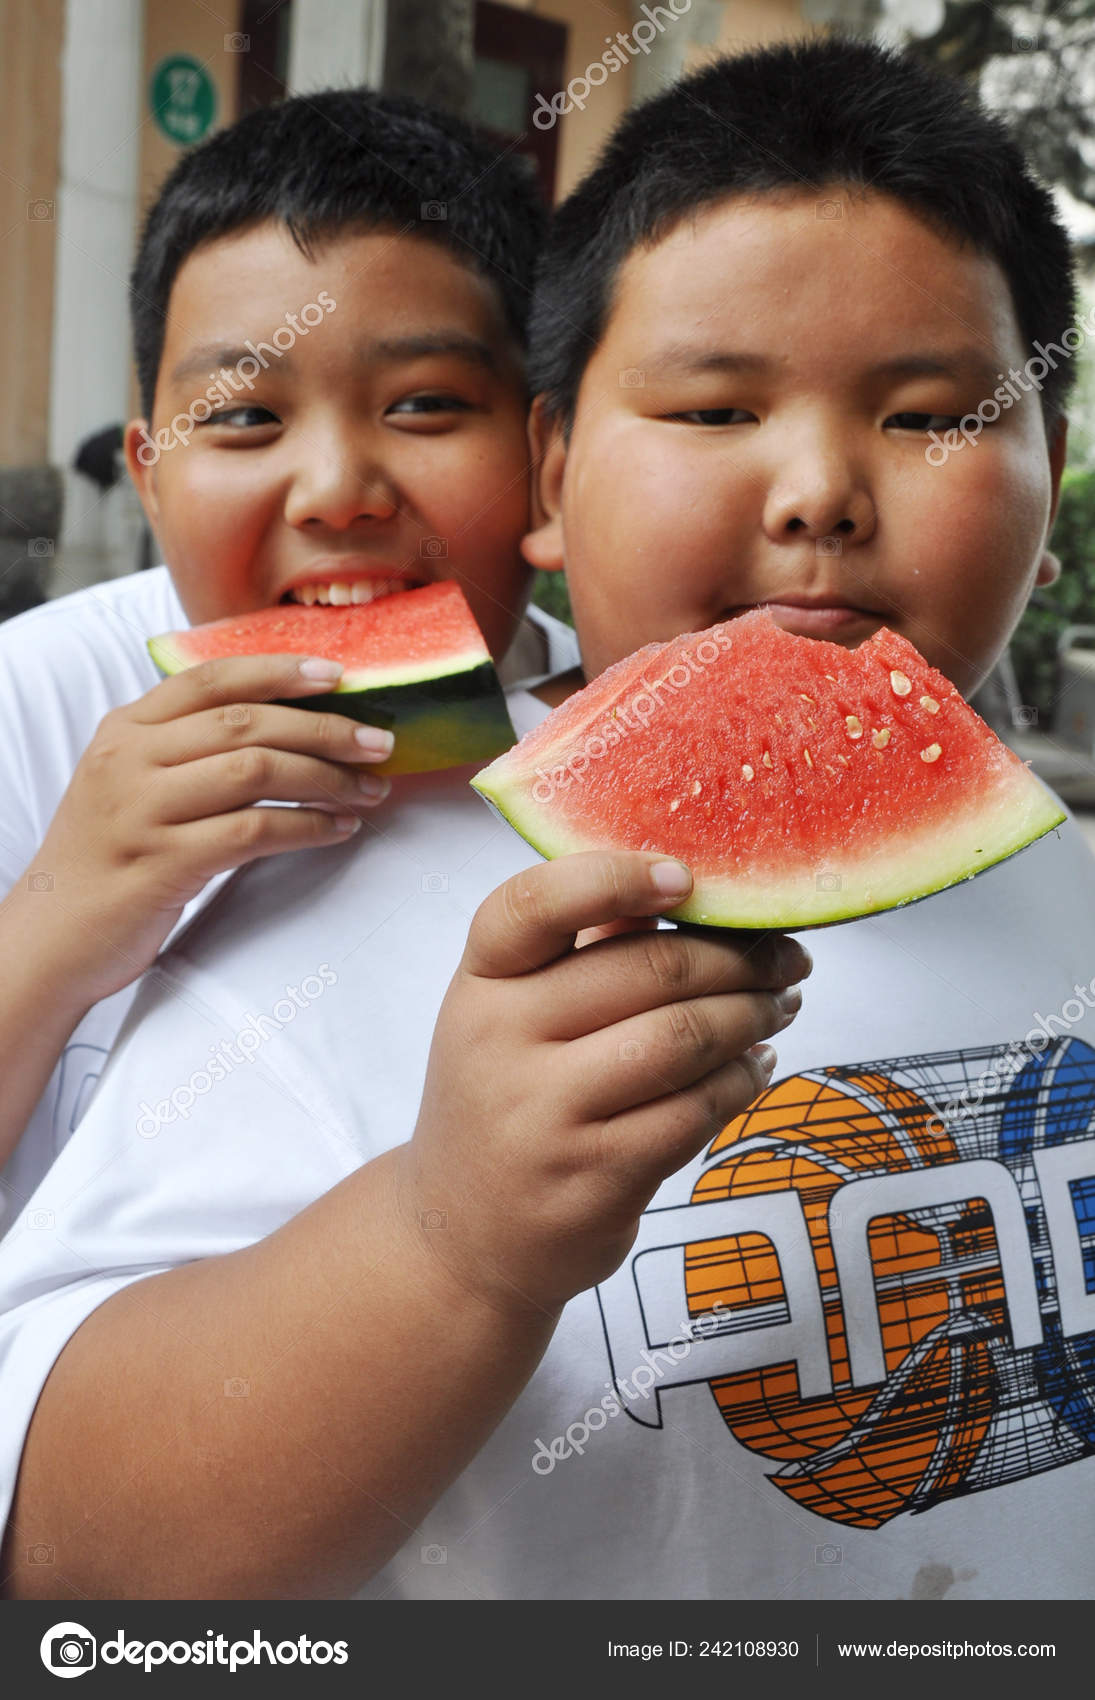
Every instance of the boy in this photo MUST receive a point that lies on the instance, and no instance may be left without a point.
(333, 389)
(512, 1302)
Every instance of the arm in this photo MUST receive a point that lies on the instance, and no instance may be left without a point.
(563, 1086)
(150, 1482)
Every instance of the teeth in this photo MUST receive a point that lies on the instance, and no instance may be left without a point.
(339, 594)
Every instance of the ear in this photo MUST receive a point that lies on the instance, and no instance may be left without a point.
(1049, 567)
(141, 456)
(543, 546)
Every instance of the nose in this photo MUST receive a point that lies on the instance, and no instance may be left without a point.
(818, 490)
(336, 483)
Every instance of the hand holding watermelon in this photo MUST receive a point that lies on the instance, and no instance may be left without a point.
(565, 1085)
(164, 798)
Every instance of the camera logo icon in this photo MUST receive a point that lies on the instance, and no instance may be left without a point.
(237, 43)
(40, 882)
(39, 209)
(433, 548)
(435, 1555)
(40, 547)
(830, 209)
(828, 546)
(827, 882)
(631, 378)
(236, 1387)
(1024, 43)
(632, 1050)
(828, 1555)
(434, 882)
(434, 1218)
(238, 715)
(39, 1218)
(1024, 716)
(68, 1649)
(435, 210)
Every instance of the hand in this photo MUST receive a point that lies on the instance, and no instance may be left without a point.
(164, 798)
(564, 1085)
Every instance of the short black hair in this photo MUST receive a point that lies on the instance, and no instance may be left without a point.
(332, 162)
(800, 116)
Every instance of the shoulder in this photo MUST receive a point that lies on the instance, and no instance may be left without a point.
(94, 638)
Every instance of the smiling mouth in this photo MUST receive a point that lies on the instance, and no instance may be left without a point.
(346, 593)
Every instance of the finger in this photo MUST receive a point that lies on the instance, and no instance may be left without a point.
(626, 924)
(222, 784)
(669, 1049)
(241, 725)
(536, 916)
(644, 1146)
(209, 847)
(248, 678)
(625, 975)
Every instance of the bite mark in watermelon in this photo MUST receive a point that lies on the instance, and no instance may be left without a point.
(415, 663)
(802, 783)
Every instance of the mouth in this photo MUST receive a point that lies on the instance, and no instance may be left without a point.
(815, 616)
(348, 589)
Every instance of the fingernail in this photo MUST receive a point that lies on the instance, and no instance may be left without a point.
(347, 823)
(795, 959)
(316, 668)
(373, 786)
(672, 879)
(765, 1056)
(375, 740)
(790, 999)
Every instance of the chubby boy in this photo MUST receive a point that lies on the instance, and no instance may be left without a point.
(528, 1311)
(334, 404)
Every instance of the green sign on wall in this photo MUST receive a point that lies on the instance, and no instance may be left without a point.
(183, 98)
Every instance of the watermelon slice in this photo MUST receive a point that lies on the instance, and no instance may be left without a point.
(803, 783)
(415, 662)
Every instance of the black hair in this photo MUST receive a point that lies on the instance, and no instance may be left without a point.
(332, 162)
(800, 116)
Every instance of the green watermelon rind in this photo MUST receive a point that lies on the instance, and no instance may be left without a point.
(1018, 814)
(455, 716)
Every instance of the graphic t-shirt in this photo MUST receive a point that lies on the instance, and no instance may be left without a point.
(852, 1350)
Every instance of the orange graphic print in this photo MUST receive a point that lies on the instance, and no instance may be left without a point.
(859, 1455)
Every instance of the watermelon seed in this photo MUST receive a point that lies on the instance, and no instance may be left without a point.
(930, 704)
(880, 738)
(901, 685)
(932, 753)
(812, 724)
(805, 698)
(746, 771)
(778, 718)
(674, 805)
(696, 787)
(854, 725)
(767, 758)
(830, 678)
(809, 757)
(844, 759)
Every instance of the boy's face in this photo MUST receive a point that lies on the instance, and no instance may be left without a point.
(752, 429)
(384, 440)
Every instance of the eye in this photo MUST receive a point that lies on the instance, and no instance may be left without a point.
(238, 418)
(714, 416)
(923, 421)
(430, 403)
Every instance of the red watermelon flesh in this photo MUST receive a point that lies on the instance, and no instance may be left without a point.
(803, 783)
(415, 663)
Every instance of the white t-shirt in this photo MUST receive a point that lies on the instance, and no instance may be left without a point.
(935, 1282)
(63, 666)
